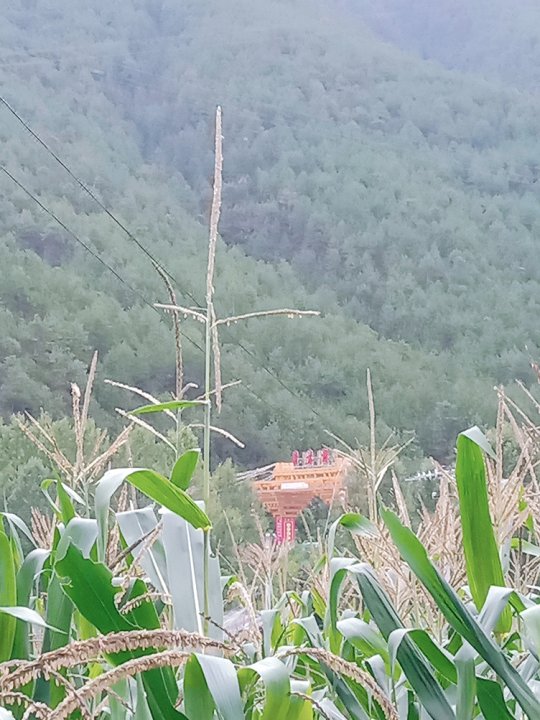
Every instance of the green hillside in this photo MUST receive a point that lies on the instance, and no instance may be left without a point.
(397, 198)
(413, 190)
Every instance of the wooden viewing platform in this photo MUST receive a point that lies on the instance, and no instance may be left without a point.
(292, 486)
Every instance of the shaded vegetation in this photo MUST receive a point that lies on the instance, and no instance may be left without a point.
(398, 198)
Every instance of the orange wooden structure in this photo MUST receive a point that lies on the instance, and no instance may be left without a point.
(292, 487)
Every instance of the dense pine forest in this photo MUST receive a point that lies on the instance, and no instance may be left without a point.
(394, 195)
(269, 360)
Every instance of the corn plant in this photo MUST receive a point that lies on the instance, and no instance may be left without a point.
(106, 620)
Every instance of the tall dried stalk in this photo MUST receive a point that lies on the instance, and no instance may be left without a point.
(86, 466)
(179, 358)
(372, 463)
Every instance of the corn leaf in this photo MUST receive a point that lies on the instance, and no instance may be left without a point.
(491, 701)
(15, 523)
(466, 683)
(154, 486)
(134, 525)
(211, 683)
(338, 573)
(414, 554)
(184, 468)
(89, 585)
(355, 523)
(8, 596)
(417, 670)
(276, 681)
(171, 405)
(184, 555)
(483, 564)
(26, 577)
(161, 490)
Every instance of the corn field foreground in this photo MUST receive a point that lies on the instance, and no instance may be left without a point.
(110, 608)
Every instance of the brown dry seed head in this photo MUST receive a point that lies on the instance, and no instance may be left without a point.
(350, 670)
(169, 658)
(80, 652)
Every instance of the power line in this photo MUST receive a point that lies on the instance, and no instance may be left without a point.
(86, 247)
(278, 379)
(140, 245)
(84, 187)
(95, 255)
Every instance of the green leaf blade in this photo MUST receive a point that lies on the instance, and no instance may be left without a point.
(483, 563)
(161, 490)
(184, 468)
(8, 596)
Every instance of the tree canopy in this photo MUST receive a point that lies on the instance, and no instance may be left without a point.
(397, 197)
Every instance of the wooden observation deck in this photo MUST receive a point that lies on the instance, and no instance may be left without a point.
(294, 484)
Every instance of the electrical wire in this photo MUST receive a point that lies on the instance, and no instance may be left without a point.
(88, 249)
(84, 187)
(142, 247)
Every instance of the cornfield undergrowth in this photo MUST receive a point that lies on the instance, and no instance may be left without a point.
(101, 609)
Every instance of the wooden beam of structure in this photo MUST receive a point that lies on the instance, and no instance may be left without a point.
(291, 488)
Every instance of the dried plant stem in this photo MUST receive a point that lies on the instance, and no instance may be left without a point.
(239, 591)
(290, 313)
(212, 246)
(59, 460)
(372, 492)
(128, 550)
(137, 421)
(179, 361)
(140, 393)
(186, 311)
(218, 383)
(220, 431)
(95, 467)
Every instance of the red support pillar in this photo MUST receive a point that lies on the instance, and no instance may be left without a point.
(285, 529)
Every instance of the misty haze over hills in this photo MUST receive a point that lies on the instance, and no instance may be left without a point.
(494, 38)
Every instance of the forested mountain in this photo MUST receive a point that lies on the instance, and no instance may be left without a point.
(398, 198)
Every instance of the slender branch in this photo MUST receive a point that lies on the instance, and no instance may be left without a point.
(120, 440)
(220, 431)
(140, 393)
(88, 391)
(181, 309)
(373, 450)
(218, 383)
(146, 426)
(129, 549)
(210, 317)
(318, 707)
(269, 313)
(223, 387)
